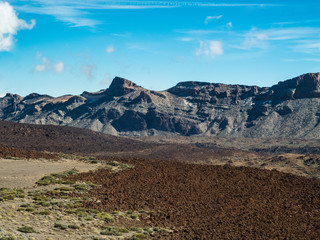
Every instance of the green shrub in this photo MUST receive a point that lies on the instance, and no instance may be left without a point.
(104, 216)
(82, 214)
(89, 218)
(10, 194)
(25, 205)
(72, 172)
(114, 163)
(9, 237)
(26, 229)
(149, 230)
(56, 177)
(46, 180)
(133, 229)
(30, 209)
(60, 226)
(45, 213)
(138, 236)
(72, 226)
(81, 187)
(123, 230)
(114, 231)
(63, 189)
(134, 216)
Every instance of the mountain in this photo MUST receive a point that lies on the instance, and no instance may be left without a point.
(289, 109)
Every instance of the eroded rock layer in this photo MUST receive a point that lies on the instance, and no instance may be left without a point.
(288, 109)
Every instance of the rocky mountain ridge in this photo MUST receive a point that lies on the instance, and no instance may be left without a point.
(288, 109)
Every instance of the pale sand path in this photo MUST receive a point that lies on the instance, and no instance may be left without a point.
(24, 173)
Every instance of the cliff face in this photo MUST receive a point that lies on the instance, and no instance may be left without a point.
(287, 109)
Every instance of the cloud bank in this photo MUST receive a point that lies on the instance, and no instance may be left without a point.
(10, 24)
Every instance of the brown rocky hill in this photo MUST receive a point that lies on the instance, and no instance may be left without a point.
(289, 109)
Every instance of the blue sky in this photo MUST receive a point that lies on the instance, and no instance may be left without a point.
(59, 47)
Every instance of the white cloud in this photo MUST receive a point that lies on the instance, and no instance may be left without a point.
(199, 32)
(59, 67)
(110, 49)
(39, 68)
(310, 46)
(261, 38)
(237, 5)
(303, 60)
(43, 66)
(78, 13)
(88, 70)
(229, 25)
(126, 34)
(185, 39)
(6, 42)
(46, 65)
(209, 48)
(209, 18)
(10, 24)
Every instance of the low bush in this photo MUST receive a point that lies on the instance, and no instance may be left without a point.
(72, 226)
(104, 216)
(60, 226)
(26, 229)
(112, 231)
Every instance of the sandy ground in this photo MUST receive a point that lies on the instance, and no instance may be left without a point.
(24, 173)
(55, 208)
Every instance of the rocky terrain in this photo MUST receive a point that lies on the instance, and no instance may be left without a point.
(132, 198)
(289, 109)
(71, 183)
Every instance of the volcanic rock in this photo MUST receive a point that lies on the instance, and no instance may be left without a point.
(288, 109)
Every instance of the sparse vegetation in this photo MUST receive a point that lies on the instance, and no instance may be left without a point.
(104, 216)
(134, 216)
(9, 237)
(73, 226)
(138, 236)
(10, 194)
(117, 166)
(82, 187)
(56, 178)
(60, 226)
(44, 212)
(114, 231)
(26, 229)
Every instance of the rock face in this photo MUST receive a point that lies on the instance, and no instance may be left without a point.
(288, 109)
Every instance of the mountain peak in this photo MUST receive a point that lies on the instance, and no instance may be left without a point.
(121, 86)
(303, 86)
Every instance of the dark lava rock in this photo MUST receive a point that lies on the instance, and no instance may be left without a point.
(304, 86)
(120, 86)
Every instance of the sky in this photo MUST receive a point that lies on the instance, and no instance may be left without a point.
(60, 47)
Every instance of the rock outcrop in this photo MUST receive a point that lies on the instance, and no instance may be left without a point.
(287, 109)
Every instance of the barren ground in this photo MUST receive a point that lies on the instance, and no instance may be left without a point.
(23, 173)
(168, 189)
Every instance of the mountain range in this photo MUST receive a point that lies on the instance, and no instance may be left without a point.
(289, 109)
